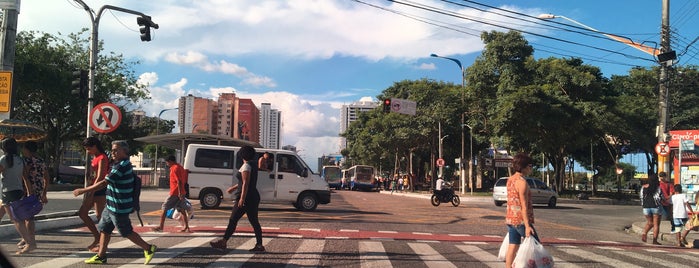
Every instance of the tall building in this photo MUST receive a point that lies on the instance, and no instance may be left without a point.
(270, 126)
(137, 117)
(246, 120)
(350, 113)
(196, 115)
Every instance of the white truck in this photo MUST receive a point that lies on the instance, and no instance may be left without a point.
(212, 169)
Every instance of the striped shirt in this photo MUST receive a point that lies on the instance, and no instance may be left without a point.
(120, 188)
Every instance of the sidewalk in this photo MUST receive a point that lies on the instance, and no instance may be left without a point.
(50, 218)
(665, 237)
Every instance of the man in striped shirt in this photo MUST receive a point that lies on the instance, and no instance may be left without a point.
(120, 190)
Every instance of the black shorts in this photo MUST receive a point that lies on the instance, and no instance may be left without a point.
(11, 196)
(102, 192)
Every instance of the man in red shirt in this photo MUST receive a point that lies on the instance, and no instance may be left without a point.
(667, 188)
(177, 194)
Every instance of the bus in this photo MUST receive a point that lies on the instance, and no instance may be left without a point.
(361, 177)
(332, 175)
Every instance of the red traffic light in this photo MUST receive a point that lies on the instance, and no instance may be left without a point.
(387, 105)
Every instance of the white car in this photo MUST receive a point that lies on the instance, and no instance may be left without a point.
(541, 194)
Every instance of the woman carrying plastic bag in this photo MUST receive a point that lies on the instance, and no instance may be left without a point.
(532, 254)
(520, 213)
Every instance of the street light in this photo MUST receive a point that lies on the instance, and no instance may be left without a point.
(665, 57)
(470, 158)
(157, 132)
(463, 85)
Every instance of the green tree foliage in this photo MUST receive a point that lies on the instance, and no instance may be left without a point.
(42, 88)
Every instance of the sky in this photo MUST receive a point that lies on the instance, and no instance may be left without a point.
(309, 57)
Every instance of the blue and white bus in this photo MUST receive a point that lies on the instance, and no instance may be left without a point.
(361, 177)
(332, 175)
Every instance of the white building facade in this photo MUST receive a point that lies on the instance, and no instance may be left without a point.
(350, 113)
(270, 126)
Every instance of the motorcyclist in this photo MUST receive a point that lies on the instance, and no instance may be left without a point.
(438, 186)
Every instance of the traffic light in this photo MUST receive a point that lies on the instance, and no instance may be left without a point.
(146, 23)
(387, 105)
(79, 84)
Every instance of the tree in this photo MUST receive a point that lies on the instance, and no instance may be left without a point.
(43, 68)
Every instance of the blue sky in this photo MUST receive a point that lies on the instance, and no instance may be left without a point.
(307, 57)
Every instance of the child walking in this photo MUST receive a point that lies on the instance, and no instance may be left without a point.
(680, 206)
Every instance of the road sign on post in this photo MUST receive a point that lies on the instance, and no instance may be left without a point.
(662, 149)
(105, 117)
(440, 162)
(5, 90)
(403, 106)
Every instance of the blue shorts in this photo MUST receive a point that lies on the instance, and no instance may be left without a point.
(679, 222)
(109, 220)
(517, 233)
(652, 211)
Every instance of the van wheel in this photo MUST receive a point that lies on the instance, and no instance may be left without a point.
(307, 202)
(209, 199)
(499, 203)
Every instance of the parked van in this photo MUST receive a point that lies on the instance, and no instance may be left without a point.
(212, 170)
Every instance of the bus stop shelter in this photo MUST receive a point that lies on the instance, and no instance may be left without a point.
(180, 141)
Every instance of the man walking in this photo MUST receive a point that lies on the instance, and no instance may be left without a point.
(120, 190)
(667, 188)
(177, 192)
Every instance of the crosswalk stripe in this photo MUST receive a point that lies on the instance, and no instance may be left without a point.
(79, 257)
(659, 262)
(308, 254)
(372, 254)
(684, 256)
(239, 256)
(481, 255)
(596, 257)
(431, 257)
(165, 254)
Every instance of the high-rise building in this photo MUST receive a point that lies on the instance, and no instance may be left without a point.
(247, 121)
(137, 117)
(196, 115)
(350, 113)
(270, 126)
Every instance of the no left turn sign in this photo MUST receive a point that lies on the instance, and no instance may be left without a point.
(105, 117)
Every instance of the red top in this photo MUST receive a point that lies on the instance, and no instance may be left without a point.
(177, 174)
(95, 166)
(667, 190)
(514, 204)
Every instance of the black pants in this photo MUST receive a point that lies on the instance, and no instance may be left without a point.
(251, 208)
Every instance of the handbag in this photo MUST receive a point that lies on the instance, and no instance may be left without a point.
(26, 208)
(532, 254)
(503, 247)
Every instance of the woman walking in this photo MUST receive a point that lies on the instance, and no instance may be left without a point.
(11, 170)
(520, 213)
(651, 201)
(99, 168)
(37, 177)
(246, 200)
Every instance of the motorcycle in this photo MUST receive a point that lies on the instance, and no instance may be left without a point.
(447, 195)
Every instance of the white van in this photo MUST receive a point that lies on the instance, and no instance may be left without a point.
(212, 168)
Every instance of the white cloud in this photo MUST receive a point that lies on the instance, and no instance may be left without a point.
(427, 66)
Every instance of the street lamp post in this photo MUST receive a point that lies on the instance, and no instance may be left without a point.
(441, 168)
(470, 158)
(463, 86)
(665, 56)
(157, 132)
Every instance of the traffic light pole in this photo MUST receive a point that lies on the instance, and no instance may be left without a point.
(95, 21)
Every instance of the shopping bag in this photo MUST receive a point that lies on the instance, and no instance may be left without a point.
(170, 212)
(26, 208)
(503, 247)
(532, 254)
(692, 223)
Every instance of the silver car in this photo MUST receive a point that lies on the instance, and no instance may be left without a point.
(541, 194)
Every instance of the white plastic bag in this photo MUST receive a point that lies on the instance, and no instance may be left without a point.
(532, 254)
(503, 247)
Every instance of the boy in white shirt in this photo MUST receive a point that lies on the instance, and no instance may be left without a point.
(680, 206)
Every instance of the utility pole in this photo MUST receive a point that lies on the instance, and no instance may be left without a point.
(9, 34)
(663, 88)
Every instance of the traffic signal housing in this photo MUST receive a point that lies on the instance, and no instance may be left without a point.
(79, 84)
(387, 105)
(145, 24)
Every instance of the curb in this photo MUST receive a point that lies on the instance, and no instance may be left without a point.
(46, 222)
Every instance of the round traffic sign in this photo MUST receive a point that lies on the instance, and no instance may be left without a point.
(662, 149)
(440, 162)
(105, 117)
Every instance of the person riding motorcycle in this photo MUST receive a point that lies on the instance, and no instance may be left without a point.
(439, 185)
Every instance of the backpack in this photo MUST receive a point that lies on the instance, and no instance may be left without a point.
(137, 183)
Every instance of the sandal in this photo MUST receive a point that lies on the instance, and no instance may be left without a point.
(26, 249)
(644, 238)
(21, 243)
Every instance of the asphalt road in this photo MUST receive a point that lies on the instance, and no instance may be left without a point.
(367, 229)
